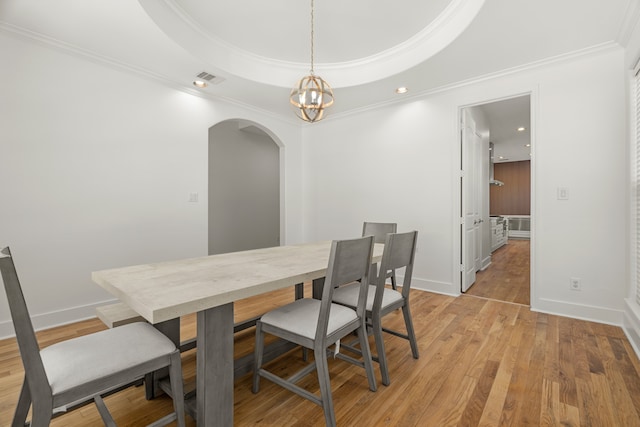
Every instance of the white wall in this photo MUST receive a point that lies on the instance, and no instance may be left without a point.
(389, 165)
(399, 163)
(96, 168)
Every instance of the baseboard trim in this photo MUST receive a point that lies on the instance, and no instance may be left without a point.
(589, 313)
(431, 286)
(55, 318)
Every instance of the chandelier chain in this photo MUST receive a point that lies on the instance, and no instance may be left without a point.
(312, 34)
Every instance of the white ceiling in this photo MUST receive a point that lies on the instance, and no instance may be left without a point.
(505, 117)
(280, 29)
(364, 48)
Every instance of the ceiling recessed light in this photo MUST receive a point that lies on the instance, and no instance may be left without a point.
(521, 129)
(199, 83)
(527, 145)
(402, 90)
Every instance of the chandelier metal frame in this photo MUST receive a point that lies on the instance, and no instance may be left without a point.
(312, 94)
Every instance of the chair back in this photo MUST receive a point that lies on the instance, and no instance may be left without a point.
(349, 262)
(399, 252)
(27, 342)
(379, 230)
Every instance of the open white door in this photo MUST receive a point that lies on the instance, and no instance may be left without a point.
(470, 145)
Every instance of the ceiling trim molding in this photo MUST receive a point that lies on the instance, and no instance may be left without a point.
(85, 54)
(179, 26)
(630, 22)
(147, 75)
(79, 52)
(566, 57)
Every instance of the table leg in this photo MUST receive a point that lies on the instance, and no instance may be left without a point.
(214, 372)
(316, 288)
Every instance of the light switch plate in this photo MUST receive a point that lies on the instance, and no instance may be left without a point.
(563, 193)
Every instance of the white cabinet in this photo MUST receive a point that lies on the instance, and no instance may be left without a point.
(498, 232)
(519, 226)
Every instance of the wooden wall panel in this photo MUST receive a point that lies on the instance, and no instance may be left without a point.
(514, 197)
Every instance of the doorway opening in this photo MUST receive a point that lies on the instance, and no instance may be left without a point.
(244, 188)
(496, 200)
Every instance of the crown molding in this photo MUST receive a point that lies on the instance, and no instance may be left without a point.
(85, 54)
(554, 60)
(147, 75)
(185, 31)
(630, 22)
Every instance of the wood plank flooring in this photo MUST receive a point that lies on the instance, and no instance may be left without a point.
(507, 278)
(482, 363)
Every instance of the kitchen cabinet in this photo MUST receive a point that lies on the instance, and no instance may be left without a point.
(499, 232)
(519, 226)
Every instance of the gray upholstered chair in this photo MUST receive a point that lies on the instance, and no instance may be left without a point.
(84, 368)
(379, 231)
(399, 252)
(318, 324)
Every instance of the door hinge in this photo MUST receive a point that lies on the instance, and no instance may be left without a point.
(461, 267)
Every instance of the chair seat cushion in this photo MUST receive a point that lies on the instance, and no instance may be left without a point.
(301, 317)
(348, 295)
(80, 360)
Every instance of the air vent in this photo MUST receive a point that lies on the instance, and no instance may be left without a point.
(206, 76)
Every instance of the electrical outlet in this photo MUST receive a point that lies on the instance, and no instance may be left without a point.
(575, 284)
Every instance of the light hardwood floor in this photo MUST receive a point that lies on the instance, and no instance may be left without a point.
(482, 362)
(507, 278)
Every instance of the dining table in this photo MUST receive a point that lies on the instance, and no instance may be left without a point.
(208, 286)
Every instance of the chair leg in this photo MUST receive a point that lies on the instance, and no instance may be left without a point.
(175, 376)
(325, 386)
(382, 356)
(393, 281)
(22, 409)
(41, 414)
(107, 419)
(366, 356)
(299, 294)
(406, 312)
(257, 359)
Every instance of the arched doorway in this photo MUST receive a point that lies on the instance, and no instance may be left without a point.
(244, 188)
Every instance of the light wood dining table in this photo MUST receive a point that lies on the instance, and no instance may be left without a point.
(209, 285)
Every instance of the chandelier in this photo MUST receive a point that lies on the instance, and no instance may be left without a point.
(311, 95)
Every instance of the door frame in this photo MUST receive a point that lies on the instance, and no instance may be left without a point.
(457, 209)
